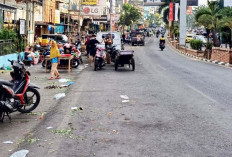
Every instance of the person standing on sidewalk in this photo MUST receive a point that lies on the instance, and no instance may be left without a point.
(55, 60)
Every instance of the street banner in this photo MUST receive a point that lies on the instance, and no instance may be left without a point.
(92, 10)
(89, 2)
(176, 11)
(38, 13)
(170, 11)
(227, 3)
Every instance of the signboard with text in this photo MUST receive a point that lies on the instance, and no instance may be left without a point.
(22, 27)
(89, 2)
(227, 3)
(92, 10)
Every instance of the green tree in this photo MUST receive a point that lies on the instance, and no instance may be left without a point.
(212, 12)
(129, 15)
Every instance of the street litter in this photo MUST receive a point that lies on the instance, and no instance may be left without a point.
(21, 153)
(124, 97)
(70, 83)
(64, 80)
(109, 114)
(125, 101)
(50, 127)
(59, 96)
(74, 108)
(8, 142)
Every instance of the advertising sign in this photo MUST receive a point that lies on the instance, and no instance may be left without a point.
(89, 2)
(227, 3)
(57, 16)
(153, 2)
(160, 2)
(92, 10)
(170, 11)
(8, 17)
(38, 13)
(192, 3)
(102, 18)
(22, 26)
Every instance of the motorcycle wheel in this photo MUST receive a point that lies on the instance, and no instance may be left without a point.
(30, 102)
(95, 65)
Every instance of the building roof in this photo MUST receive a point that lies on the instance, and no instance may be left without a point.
(7, 7)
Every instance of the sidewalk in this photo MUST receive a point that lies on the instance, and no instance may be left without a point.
(23, 124)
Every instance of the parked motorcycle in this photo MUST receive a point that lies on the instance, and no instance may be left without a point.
(112, 52)
(18, 94)
(99, 59)
(162, 46)
(77, 59)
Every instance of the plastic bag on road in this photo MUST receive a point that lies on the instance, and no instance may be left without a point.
(21, 153)
(64, 80)
(125, 101)
(59, 96)
(124, 97)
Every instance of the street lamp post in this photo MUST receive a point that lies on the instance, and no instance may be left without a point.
(183, 6)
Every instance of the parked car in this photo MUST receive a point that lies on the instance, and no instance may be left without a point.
(116, 36)
(59, 38)
(200, 37)
(137, 38)
(189, 37)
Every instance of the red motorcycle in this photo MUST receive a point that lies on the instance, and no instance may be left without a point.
(18, 94)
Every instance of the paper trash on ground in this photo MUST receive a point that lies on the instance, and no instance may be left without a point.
(125, 101)
(8, 142)
(59, 96)
(124, 97)
(21, 153)
(64, 80)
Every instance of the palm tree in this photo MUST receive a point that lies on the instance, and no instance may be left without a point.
(211, 12)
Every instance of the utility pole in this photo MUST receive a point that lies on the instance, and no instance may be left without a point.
(69, 16)
(27, 21)
(183, 9)
(79, 19)
(111, 14)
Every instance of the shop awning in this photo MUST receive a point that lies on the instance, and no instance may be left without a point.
(7, 7)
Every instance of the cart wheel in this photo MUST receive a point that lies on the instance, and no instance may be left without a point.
(133, 64)
(116, 66)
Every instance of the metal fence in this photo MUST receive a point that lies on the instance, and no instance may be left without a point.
(7, 47)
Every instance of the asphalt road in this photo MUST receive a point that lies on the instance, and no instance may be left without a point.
(179, 107)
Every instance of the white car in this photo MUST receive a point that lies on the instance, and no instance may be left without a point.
(200, 37)
(116, 36)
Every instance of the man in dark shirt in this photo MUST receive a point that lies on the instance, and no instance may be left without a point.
(93, 48)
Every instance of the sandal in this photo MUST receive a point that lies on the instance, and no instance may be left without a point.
(58, 77)
(51, 78)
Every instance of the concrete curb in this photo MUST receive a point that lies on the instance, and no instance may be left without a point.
(200, 58)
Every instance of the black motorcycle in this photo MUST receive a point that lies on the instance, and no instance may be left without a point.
(162, 46)
(112, 52)
(18, 94)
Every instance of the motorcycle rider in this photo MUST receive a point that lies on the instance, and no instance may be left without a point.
(162, 40)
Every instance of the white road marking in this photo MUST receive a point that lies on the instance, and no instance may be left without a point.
(204, 95)
(161, 67)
